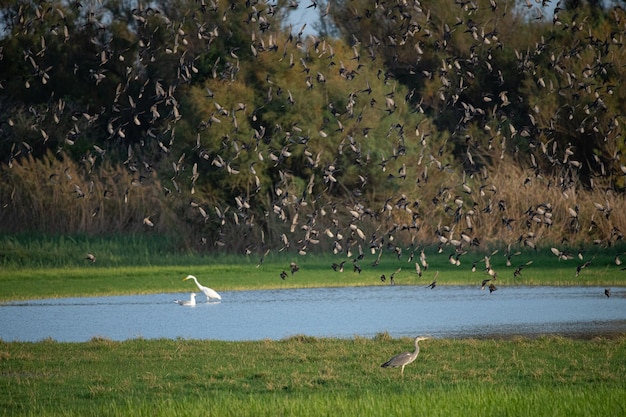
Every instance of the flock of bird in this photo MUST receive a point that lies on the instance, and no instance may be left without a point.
(488, 269)
(467, 199)
(466, 203)
(462, 205)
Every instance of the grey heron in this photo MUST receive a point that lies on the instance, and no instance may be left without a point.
(209, 292)
(404, 358)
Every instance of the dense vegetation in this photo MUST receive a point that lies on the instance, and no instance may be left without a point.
(399, 124)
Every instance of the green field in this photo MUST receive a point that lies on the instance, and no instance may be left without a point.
(42, 267)
(307, 376)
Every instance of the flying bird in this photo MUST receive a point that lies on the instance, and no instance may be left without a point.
(434, 283)
(581, 267)
(392, 276)
(338, 266)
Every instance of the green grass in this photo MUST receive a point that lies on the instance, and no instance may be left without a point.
(308, 376)
(43, 267)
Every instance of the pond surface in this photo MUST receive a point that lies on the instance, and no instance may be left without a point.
(446, 311)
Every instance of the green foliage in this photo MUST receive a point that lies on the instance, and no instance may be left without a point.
(510, 73)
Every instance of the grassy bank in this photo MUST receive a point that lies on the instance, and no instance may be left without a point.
(310, 376)
(42, 267)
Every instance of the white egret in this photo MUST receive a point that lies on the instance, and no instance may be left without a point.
(209, 292)
(404, 358)
(191, 302)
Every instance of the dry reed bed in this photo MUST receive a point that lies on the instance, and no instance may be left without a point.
(512, 207)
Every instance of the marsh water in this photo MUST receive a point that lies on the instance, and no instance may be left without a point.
(446, 311)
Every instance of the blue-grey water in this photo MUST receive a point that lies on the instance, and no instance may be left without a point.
(446, 311)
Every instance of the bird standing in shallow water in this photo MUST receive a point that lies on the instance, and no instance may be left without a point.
(209, 292)
(404, 358)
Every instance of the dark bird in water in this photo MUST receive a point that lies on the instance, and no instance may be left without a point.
(434, 283)
(404, 358)
(492, 288)
(607, 292)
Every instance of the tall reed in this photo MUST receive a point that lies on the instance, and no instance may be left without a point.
(504, 204)
(58, 195)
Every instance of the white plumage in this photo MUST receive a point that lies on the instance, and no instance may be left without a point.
(209, 292)
(191, 302)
